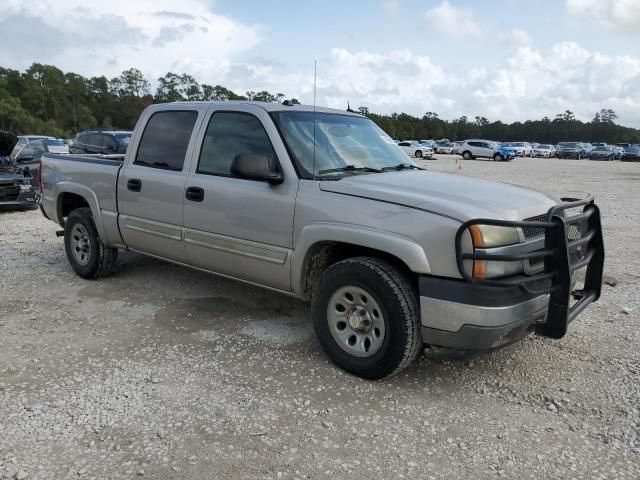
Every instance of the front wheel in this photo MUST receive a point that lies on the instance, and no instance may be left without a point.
(418, 154)
(366, 317)
(466, 155)
(497, 158)
(86, 253)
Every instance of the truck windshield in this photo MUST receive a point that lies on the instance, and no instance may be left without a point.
(340, 141)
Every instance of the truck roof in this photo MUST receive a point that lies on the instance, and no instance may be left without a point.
(268, 106)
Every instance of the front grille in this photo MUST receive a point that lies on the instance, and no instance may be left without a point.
(9, 193)
(574, 232)
(533, 232)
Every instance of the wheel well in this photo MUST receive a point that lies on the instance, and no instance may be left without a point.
(324, 254)
(69, 202)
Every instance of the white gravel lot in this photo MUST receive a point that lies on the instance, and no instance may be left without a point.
(163, 372)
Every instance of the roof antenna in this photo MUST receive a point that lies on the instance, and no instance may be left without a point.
(315, 70)
(349, 108)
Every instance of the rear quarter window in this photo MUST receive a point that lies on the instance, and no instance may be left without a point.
(165, 139)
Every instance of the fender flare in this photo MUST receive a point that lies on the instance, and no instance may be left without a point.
(403, 248)
(86, 193)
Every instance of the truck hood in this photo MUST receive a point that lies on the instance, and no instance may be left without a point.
(7, 142)
(456, 196)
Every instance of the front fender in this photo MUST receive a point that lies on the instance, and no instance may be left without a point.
(405, 249)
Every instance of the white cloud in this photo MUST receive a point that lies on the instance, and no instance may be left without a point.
(622, 14)
(516, 38)
(530, 84)
(185, 36)
(452, 21)
(108, 37)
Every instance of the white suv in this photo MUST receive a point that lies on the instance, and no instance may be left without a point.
(478, 148)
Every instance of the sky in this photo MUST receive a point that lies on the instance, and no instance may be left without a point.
(508, 60)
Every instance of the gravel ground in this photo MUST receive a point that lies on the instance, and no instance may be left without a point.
(164, 372)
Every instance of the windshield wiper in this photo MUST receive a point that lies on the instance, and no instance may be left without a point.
(401, 166)
(349, 168)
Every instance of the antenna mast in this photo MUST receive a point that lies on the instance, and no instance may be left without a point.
(315, 70)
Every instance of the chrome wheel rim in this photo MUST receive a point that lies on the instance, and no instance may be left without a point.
(80, 244)
(356, 321)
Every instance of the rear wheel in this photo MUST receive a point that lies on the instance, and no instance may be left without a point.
(365, 314)
(498, 157)
(466, 155)
(86, 253)
(418, 153)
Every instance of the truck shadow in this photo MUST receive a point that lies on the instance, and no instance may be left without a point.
(197, 308)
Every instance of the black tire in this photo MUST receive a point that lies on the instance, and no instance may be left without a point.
(498, 158)
(396, 297)
(466, 155)
(418, 154)
(101, 260)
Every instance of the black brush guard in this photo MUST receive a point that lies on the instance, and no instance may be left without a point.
(560, 261)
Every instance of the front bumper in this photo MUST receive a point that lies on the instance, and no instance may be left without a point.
(19, 199)
(487, 313)
(569, 154)
(456, 314)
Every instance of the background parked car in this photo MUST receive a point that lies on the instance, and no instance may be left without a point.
(24, 139)
(17, 188)
(416, 150)
(30, 154)
(618, 152)
(485, 149)
(428, 143)
(456, 146)
(602, 153)
(446, 148)
(100, 141)
(631, 154)
(543, 150)
(571, 150)
(522, 149)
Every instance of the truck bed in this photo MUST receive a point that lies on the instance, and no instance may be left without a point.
(95, 175)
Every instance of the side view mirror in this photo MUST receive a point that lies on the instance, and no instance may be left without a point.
(24, 158)
(252, 166)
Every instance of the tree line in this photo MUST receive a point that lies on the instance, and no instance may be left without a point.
(45, 100)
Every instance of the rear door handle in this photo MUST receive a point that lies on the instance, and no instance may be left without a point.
(195, 194)
(134, 184)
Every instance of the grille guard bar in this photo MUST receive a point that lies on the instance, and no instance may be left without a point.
(556, 277)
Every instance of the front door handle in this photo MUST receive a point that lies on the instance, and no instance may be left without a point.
(195, 194)
(134, 184)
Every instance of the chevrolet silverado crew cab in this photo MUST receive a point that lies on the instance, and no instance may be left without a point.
(322, 205)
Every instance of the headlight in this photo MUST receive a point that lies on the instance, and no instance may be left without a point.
(26, 188)
(490, 236)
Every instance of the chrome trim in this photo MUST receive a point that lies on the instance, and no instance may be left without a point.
(246, 248)
(452, 316)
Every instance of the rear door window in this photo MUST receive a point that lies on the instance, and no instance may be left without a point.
(165, 139)
(228, 135)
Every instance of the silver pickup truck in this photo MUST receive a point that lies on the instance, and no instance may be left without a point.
(321, 205)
